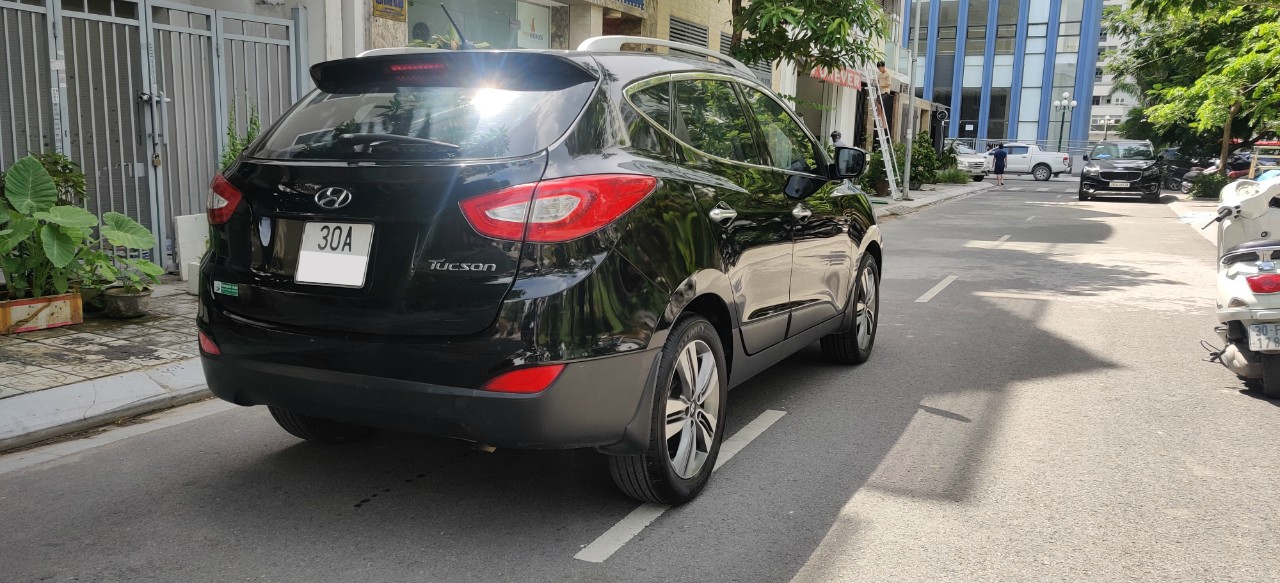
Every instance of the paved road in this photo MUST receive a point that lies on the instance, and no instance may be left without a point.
(1045, 416)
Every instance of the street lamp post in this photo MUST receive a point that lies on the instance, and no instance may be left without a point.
(1106, 127)
(1065, 105)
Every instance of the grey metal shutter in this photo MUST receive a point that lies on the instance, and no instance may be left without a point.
(763, 71)
(688, 32)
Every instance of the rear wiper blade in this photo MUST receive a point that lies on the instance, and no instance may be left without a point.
(365, 138)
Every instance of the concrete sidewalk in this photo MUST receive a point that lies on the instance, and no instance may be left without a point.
(62, 380)
(56, 382)
(930, 195)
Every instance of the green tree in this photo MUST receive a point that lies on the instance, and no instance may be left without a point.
(1205, 70)
(831, 34)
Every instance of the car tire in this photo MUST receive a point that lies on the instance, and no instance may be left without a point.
(979, 178)
(317, 429)
(660, 475)
(1041, 173)
(1270, 384)
(1084, 196)
(1152, 199)
(1057, 174)
(853, 345)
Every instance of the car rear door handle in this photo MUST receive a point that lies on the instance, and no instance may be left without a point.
(800, 212)
(722, 212)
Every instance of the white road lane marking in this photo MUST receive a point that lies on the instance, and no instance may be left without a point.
(1042, 190)
(937, 289)
(1001, 240)
(1014, 188)
(632, 524)
(1032, 217)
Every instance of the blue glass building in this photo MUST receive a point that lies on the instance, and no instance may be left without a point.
(999, 64)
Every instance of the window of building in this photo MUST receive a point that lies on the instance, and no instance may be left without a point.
(1097, 74)
(1037, 30)
(688, 32)
(975, 41)
(711, 119)
(1097, 100)
(1006, 36)
(1038, 11)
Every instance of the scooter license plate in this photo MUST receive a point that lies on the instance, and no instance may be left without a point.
(1264, 336)
(1119, 185)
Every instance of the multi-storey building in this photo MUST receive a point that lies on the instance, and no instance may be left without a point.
(999, 65)
(1110, 107)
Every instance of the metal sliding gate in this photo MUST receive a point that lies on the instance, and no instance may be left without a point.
(138, 92)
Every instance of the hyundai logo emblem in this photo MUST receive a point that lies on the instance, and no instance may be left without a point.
(333, 198)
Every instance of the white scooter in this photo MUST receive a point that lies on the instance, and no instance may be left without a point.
(1249, 281)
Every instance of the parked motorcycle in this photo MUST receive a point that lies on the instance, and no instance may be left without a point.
(1237, 167)
(1249, 282)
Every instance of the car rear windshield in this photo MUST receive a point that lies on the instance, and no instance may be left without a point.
(431, 107)
(1122, 152)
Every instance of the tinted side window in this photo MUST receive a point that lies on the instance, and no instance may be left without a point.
(788, 145)
(711, 119)
(1017, 150)
(655, 102)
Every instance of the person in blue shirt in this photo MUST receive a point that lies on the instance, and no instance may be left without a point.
(999, 155)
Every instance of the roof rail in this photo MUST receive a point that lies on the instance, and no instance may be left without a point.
(397, 51)
(614, 44)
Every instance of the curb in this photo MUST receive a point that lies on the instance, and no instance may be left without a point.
(903, 209)
(33, 417)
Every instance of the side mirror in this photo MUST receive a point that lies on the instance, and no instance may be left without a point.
(1086, 157)
(850, 163)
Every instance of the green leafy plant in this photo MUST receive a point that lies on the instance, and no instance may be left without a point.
(924, 159)
(949, 158)
(47, 249)
(953, 176)
(67, 177)
(1208, 185)
(236, 143)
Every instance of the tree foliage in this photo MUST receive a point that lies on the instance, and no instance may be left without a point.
(1206, 71)
(830, 34)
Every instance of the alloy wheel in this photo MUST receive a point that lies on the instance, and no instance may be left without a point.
(693, 401)
(868, 308)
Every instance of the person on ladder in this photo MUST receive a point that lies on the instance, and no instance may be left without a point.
(886, 98)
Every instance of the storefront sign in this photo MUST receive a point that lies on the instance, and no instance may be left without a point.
(534, 24)
(844, 77)
(389, 9)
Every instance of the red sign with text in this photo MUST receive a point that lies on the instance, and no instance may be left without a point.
(845, 77)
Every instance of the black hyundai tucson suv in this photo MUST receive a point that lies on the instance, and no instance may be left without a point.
(1127, 168)
(533, 249)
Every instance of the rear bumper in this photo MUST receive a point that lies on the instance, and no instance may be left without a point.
(594, 403)
(590, 405)
(1146, 186)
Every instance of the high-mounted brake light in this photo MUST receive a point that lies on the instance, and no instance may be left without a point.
(560, 210)
(404, 67)
(1264, 283)
(525, 380)
(223, 200)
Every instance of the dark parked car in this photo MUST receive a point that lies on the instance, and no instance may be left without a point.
(1175, 165)
(533, 249)
(1126, 168)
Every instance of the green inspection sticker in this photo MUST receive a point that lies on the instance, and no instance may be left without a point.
(230, 289)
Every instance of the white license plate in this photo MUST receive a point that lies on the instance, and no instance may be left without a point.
(334, 254)
(1264, 336)
(1119, 185)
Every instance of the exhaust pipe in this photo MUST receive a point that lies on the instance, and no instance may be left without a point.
(1242, 361)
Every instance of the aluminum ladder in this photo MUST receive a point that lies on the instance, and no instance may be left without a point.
(882, 132)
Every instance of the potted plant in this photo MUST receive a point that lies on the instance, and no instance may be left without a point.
(48, 252)
(39, 244)
(122, 275)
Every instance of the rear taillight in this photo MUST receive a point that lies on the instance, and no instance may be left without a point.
(525, 380)
(223, 200)
(554, 211)
(1066, 161)
(207, 346)
(1265, 283)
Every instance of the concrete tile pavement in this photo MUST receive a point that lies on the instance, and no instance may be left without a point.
(62, 380)
(930, 194)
